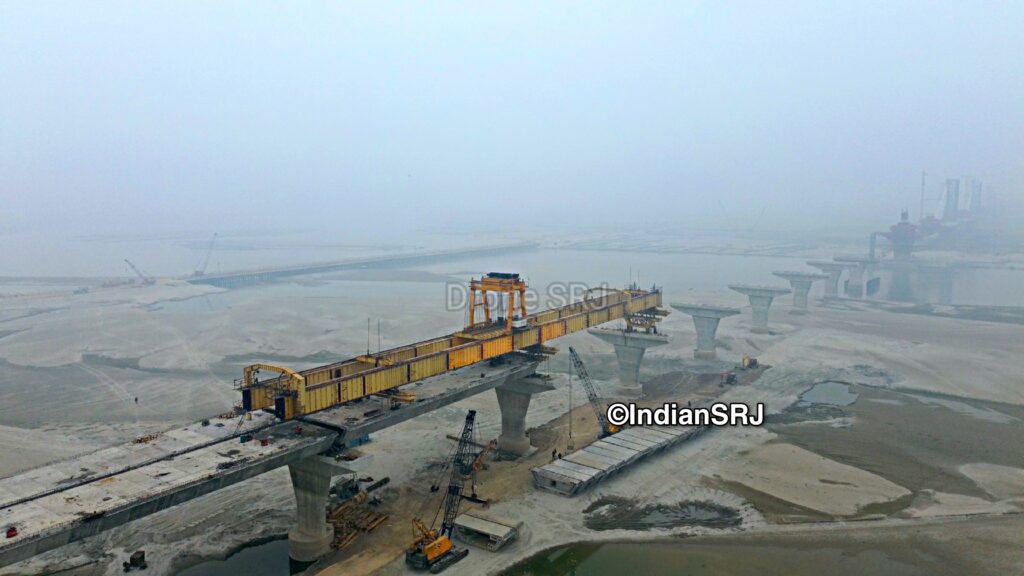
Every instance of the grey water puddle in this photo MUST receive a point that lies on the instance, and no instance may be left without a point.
(832, 393)
(611, 513)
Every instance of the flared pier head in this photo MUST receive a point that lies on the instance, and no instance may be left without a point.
(311, 537)
(629, 351)
(760, 298)
(860, 265)
(513, 402)
(834, 270)
(801, 284)
(705, 320)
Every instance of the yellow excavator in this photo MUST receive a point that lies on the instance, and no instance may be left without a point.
(432, 548)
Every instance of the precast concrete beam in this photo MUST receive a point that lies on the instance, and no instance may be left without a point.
(629, 352)
(801, 284)
(705, 319)
(311, 537)
(513, 402)
(834, 270)
(760, 298)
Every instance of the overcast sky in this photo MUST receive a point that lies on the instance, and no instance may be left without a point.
(152, 116)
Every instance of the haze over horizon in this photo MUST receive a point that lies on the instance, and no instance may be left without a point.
(361, 119)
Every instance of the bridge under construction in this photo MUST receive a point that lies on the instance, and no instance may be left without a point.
(293, 417)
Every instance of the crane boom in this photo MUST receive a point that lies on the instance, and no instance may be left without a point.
(142, 276)
(201, 269)
(432, 548)
(595, 401)
(462, 468)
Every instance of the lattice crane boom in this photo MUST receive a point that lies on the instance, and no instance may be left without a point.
(595, 401)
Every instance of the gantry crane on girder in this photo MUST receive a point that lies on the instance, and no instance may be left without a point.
(506, 286)
(595, 401)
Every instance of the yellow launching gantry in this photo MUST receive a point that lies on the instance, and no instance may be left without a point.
(643, 320)
(292, 394)
(285, 393)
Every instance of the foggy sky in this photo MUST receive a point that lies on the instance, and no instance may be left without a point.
(362, 118)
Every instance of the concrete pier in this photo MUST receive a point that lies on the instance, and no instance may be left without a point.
(311, 537)
(861, 268)
(834, 270)
(514, 401)
(936, 281)
(801, 283)
(760, 298)
(705, 320)
(629, 351)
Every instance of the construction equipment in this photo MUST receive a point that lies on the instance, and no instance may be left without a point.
(432, 549)
(506, 286)
(285, 394)
(323, 387)
(143, 277)
(136, 560)
(596, 403)
(748, 362)
(728, 377)
(201, 267)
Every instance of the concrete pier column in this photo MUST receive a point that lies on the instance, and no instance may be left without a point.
(514, 401)
(705, 320)
(760, 298)
(312, 535)
(859, 273)
(801, 284)
(937, 279)
(834, 271)
(629, 351)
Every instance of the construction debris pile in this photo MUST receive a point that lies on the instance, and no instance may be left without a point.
(355, 515)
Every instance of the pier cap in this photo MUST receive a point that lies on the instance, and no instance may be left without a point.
(829, 264)
(759, 290)
(705, 310)
(856, 259)
(796, 275)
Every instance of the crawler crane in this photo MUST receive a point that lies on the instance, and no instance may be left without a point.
(596, 403)
(432, 549)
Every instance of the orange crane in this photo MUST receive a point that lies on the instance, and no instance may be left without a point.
(432, 549)
(506, 286)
